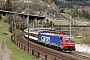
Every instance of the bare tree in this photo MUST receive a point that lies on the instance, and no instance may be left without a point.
(20, 23)
(2, 2)
(18, 6)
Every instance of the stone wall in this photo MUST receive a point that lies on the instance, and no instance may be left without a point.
(67, 22)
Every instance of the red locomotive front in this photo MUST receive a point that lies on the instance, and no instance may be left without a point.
(68, 42)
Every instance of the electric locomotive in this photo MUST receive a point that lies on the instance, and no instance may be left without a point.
(63, 42)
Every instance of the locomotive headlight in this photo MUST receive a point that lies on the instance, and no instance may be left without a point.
(66, 45)
(72, 45)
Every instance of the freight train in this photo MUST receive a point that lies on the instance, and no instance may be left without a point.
(57, 41)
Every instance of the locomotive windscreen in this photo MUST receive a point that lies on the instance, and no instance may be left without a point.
(69, 39)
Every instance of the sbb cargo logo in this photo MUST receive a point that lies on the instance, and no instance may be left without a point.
(45, 39)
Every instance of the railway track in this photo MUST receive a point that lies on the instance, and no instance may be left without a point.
(80, 56)
(47, 53)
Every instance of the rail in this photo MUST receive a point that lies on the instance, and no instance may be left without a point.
(40, 51)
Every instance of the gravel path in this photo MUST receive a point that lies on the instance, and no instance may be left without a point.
(5, 52)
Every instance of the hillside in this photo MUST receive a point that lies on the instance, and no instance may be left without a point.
(42, 6)
(4, 28)
(71, 3)
(8, 50)
(51, 8)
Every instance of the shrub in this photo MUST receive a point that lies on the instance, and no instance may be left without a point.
(86, 40)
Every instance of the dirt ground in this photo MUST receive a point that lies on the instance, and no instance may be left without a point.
(4, 52)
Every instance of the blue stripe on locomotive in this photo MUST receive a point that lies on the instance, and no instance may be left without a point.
(52, 39)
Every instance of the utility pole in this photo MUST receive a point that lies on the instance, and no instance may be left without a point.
(28, 23)
(14, 31)
(12, 27)
(33, 23)
(52, 22)
(42, 23)
(70, 25)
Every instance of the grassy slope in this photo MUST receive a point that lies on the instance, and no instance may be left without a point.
(18, 54)
(3, 29)
(85, 38)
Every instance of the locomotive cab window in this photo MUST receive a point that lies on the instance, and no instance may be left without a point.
(68, 39)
